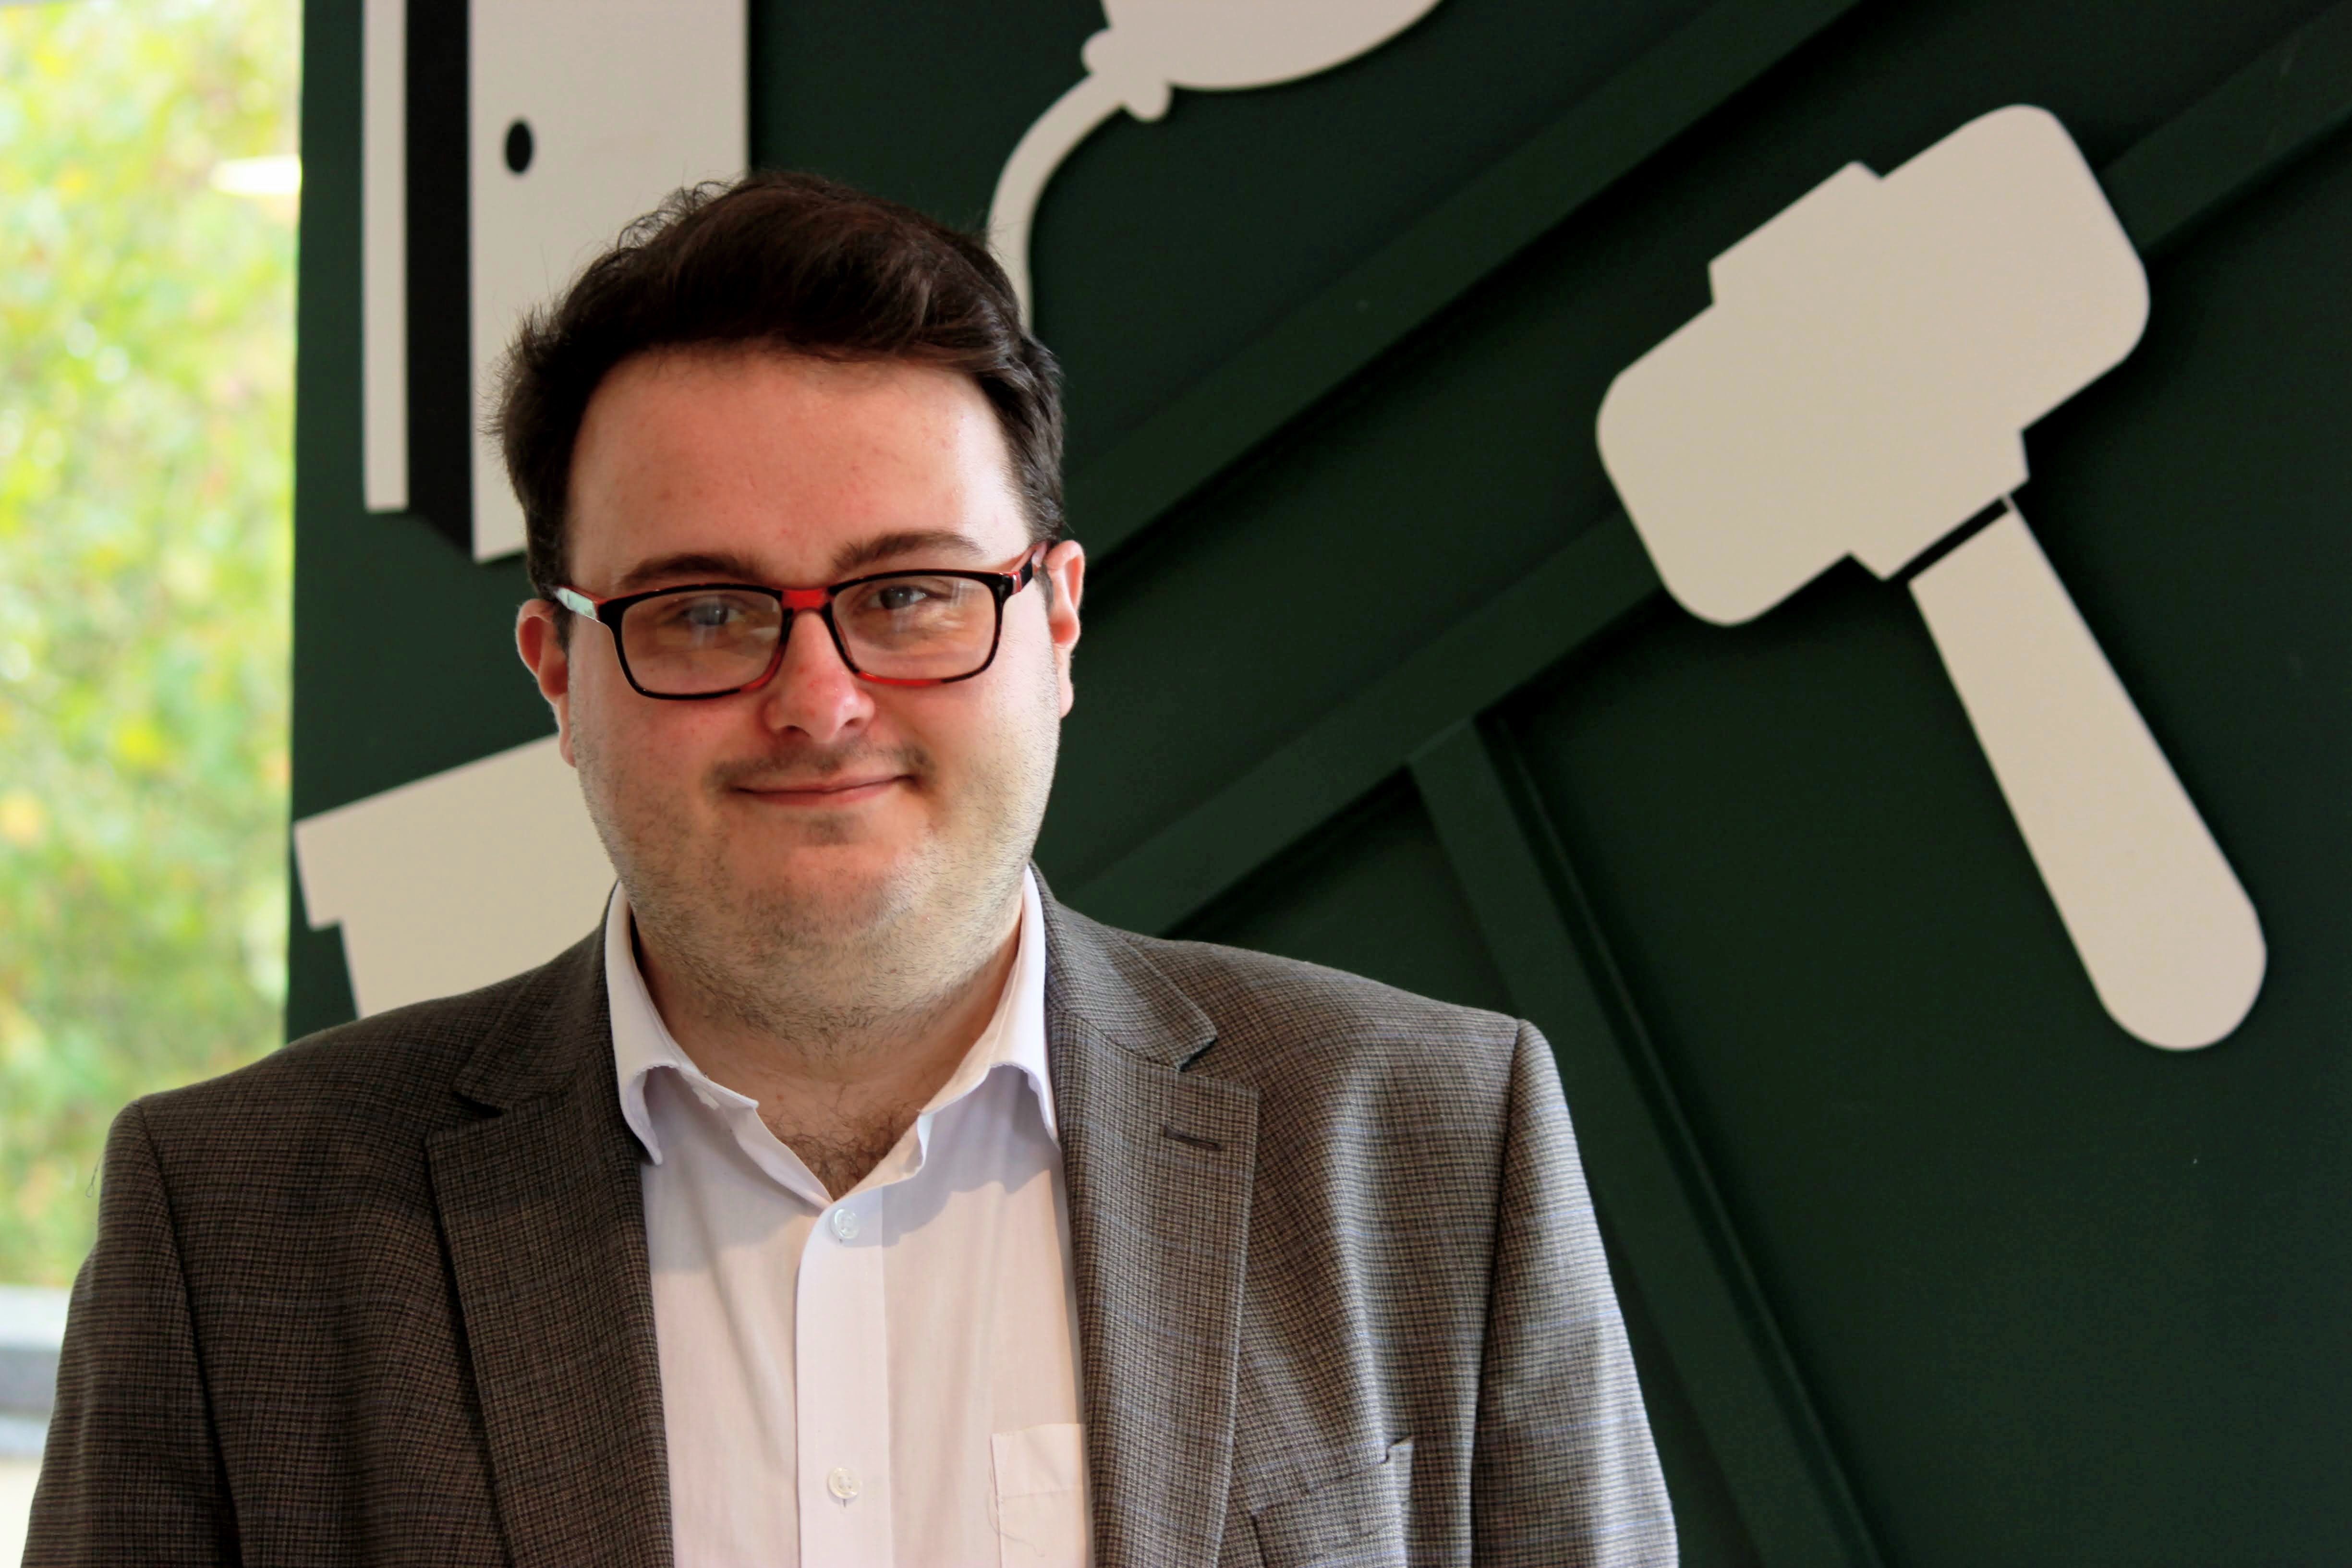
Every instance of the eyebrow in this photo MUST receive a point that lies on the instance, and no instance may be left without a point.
(714, 565)
(905, 542)
(705, 566)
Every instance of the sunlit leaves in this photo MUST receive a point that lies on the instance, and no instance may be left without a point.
(146, 368)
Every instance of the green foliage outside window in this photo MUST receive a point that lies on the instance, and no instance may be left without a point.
(146, 394)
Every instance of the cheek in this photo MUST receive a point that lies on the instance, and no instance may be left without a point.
(633, 748)
(595, 678)
(1025, 714)
(600, 700)
(977, 737)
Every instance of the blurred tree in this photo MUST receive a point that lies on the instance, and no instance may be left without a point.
(146, 379)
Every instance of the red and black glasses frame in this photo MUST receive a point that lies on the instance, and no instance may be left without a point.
(1001, 586)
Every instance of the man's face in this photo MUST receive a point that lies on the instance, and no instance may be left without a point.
(821, 814)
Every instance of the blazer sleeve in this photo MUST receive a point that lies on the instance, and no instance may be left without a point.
(130, 1472)
(1564, 1471)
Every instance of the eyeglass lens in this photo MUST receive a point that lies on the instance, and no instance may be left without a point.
(912, 627)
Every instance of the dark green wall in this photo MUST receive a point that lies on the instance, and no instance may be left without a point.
(1925, 1259)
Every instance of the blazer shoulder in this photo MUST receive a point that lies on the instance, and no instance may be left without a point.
(394, 1073)
(1266, 1006)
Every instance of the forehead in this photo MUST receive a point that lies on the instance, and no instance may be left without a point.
(782, 459)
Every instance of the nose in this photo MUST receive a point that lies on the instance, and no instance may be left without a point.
(813, 691)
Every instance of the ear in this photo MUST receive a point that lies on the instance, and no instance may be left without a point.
(1066, 574)
(550, 664)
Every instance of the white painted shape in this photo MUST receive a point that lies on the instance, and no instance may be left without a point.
(1042, 148)
(1227, 44)
(1861, 384)
(384, 255)
(456, 880)
(627, 101)
(1152, 46)
(2171, 941)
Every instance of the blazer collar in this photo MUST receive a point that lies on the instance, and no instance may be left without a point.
(552, 1021)
(542, 1214)
(1099, 975)
(1160, 1164)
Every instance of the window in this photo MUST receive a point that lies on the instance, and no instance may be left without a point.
(147, 198)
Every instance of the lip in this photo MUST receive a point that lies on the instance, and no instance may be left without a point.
(830, 792)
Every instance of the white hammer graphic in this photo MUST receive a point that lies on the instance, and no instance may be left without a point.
(1859, 387)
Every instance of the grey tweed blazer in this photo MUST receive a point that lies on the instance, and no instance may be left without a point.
(383, 1297)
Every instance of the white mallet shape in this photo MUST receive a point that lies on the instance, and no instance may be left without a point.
(1860, 386)
(1153, 47)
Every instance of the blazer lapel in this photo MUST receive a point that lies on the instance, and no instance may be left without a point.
(1158, 1162)
(542, 1210)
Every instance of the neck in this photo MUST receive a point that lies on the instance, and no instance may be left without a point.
(842, 1054)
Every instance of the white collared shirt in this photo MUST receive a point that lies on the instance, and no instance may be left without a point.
(890, 1378)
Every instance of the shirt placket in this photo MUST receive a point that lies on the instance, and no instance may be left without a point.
(841, 1364)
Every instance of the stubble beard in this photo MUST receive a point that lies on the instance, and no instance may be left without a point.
(833, 970)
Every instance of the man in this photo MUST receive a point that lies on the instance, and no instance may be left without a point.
(842, 1199)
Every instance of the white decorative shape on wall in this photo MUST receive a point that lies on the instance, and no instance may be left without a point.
(456, 880)
(1153, 47)
(2169, 938)
(384, 254)
(623, 102)
(1860, 386)
(384, 96)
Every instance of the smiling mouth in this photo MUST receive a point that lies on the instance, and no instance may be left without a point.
(823, 792)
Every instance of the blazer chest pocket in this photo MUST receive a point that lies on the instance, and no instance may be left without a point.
(1357, 1521)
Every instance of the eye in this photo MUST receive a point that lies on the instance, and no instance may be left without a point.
(904, 602)
(702, 618)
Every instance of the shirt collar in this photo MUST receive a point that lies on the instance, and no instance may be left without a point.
(1015, 1038)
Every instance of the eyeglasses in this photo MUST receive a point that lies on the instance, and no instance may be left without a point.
(893, 628)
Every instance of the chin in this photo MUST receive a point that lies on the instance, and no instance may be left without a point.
(861, 876)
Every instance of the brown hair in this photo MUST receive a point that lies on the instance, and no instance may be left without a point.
(789, 261)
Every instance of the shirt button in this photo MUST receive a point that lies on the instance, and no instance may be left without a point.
(843, 1484)
(845, 1225)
